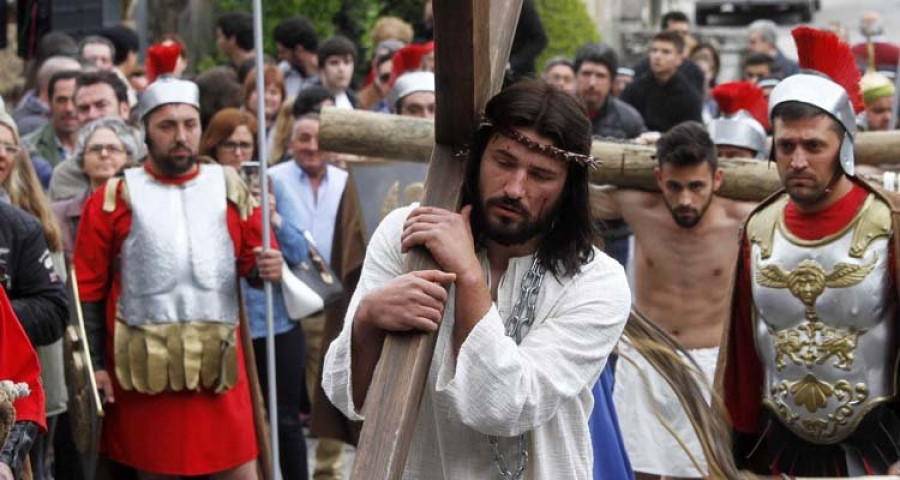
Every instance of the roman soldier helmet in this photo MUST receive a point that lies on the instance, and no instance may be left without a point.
(744, 117)
(829, 80)
(167, 89)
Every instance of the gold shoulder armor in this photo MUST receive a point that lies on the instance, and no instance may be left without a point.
(109, 195)
(762, 223)
(874, 222)
(238, 193)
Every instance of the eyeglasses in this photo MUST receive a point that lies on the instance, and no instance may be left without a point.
(233, 146)
(384, 77)
(98, 149)
(10, 148)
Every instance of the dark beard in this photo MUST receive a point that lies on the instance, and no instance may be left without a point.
(689, 222)
(169, 165)
(508, 233)
(815, 196)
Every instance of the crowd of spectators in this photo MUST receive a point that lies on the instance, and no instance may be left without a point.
(78, 125)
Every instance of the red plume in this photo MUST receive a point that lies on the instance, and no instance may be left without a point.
(824, 52)
(161, 59)
(409, 59)
(735, 96)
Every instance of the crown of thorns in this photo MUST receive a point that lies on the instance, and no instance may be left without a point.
(542, 148)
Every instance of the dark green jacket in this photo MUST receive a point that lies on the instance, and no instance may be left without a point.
(42, 143)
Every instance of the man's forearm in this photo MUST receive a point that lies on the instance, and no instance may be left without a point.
(366, 345)
(473, 300)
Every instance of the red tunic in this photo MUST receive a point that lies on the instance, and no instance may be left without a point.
(183, 433)
(19, 363)
(743, 376)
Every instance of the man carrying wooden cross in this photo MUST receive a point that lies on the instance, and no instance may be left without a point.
(534, 308)
(809, 364)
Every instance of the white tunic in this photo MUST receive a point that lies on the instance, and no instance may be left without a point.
(541, 387)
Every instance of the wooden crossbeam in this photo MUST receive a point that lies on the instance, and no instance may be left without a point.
(407, 138)
(623, 165)
(465, 78)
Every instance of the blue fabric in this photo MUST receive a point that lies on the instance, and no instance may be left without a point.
(44, 171)
(610, 458)
(293, 248)
(315, 214)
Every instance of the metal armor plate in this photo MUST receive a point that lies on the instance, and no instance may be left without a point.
(178, 262)
(824, 323)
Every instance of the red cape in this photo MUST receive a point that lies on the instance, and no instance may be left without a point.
(19, 363)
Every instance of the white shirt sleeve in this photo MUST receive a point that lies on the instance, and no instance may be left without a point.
(384, 262)
(499, 388)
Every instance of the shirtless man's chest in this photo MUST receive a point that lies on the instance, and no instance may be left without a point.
(684, 276)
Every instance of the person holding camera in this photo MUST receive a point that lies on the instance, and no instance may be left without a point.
(230, 139)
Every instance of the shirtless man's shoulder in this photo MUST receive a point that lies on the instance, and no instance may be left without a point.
(738, 210)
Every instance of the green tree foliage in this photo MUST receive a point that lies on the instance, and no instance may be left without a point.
(353, 18)
(321, 12)
(568, 26)
(567, 22)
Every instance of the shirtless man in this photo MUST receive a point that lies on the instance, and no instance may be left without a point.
(686, 243)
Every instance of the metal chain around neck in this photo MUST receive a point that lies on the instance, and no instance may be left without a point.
(517, 326)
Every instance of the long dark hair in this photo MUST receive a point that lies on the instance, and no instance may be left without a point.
(558, 116)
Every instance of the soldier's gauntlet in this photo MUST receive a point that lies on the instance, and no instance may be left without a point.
(17, 446)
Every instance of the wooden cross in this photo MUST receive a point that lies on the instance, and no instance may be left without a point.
(473, 39)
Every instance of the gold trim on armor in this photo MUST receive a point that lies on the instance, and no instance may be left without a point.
(238, 193)
(809, 279)
(813, 343)
(761, 226)
(863, 211)
(872, 226)
(110, 194)
(175, 357)
(813, 430)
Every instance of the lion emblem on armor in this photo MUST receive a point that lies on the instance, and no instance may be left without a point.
(787, 343)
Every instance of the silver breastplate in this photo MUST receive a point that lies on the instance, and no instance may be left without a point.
(824, 320)
(178, 262)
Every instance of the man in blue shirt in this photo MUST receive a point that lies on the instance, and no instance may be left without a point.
(312, 183)
(315, 188)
